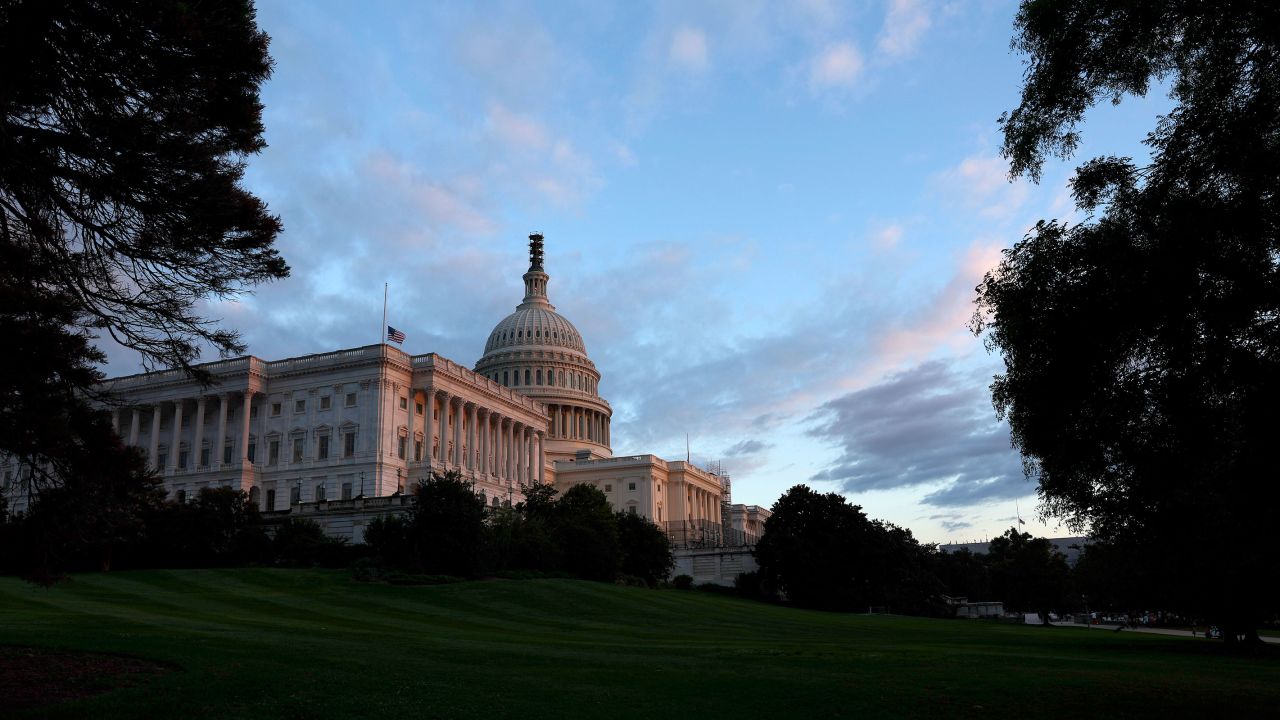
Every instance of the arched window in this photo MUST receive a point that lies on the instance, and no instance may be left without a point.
(526, 377)
(561, 378)
(505, 379)
(539, 376)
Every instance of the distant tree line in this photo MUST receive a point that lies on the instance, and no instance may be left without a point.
(821, 551)
(449, 531)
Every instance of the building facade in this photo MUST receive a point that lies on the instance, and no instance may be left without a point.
(342, 436)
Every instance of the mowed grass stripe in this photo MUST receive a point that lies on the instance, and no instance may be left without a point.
(250, 644)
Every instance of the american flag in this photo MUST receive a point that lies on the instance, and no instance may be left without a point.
(394, 335)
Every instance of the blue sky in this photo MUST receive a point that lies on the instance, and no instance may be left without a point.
(766, 218)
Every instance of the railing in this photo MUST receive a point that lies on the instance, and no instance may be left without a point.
(443, 365)
(694, 534)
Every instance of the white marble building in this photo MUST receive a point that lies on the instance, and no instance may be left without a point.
(342, 436)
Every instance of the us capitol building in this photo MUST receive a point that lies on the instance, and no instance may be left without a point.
(341, 437)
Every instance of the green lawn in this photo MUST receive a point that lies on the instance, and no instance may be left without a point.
(312, 644)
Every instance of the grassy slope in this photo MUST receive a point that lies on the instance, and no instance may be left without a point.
(280, 643)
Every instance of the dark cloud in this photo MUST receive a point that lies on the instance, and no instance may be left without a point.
(927, 425)
(746, 447)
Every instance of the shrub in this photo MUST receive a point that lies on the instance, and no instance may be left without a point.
(682, 582)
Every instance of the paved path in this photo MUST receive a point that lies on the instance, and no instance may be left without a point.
(1152, 631)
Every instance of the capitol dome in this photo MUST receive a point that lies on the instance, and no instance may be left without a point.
(539, 353)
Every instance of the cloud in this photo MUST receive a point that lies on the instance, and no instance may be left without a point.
(837, 66)
(516, 131)
(904, 25)
(747, 447)
(928, 425)
(981, 181)
(887, 237)
(688, 49)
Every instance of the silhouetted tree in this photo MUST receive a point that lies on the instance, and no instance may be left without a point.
(586, 534)
(1027, 573)
(446, 525)
(645, 549)
(1142, 346)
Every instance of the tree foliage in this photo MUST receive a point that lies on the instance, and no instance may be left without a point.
(446, 525)
(1027, 573)
(124, 128)
(1142, 346)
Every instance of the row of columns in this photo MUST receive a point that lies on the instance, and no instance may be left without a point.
(197, 444)
(703, 505)
(480, 441)
(569, 422)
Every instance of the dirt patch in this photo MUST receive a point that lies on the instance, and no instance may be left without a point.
(32, 677)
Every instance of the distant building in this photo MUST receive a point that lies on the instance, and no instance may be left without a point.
(1069, 546)
(341, 437)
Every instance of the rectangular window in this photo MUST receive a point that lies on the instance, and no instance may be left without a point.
(271, 500)
(631, 486)
(275, 409)
(608, 487)
(295, 494)
(297, 449)
(299, 406)
(322, 453)
(204, 457)
(351, 399)
(349, 445)
(404, 403)
(400, 449)
(320, 493)
(632, 509)
(417, 450)
(182, 460)
(418, 407)
(253, 411)
(346, 491)
(324, 402)
(162, 460)
(273, 452)
(226, 454)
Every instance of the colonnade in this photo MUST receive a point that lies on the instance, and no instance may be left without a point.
(483, 443)
(177, 409)
(702, 505)
(570, 422)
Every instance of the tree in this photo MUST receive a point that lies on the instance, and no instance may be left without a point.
(814, 549)
(1142, 346)
(585, 533)
(446, 525)
(645, 549)
(124, 187)
(1027, 573)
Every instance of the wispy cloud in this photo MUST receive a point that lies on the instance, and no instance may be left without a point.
(688, 49)
(905, 24)
(837, 66)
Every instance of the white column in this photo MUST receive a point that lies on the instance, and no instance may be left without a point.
(215, 448)
(177, 434)
(134, 421)
(471, 438)
(484, 444)
(244, 428)
(444, 430)
(155, 437)
(198, 442)
(413, 412)
(542, 459)
(511, 453)
(457, 434)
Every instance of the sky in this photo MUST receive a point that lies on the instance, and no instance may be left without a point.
(767, 219)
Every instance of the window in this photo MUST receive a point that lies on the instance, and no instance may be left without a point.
(417, 451)
(182, 459)
(608, 487)
(418, 408)
(298, 447)
(273, 452)
(320, 493)
(504, 379)
(295, 494)
(400, 449)
(204, 457)
(515, 379)
(346, 491)
(275, 409)
(404, 403)
(322, 453)
(253, 411)
(162, 460)
(526, 377)
(351, 399)
(299, 406)
(325, 401)
(631, 509)
(271, 500)
(349, 445)
(226, 454)
(539, 376)
(631, 486)
(659, 487)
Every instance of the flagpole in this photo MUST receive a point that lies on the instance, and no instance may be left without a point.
(382, 332)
